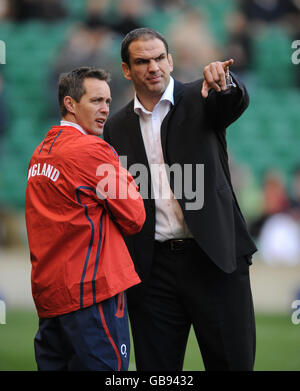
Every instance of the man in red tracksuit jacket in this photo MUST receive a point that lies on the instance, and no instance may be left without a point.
(79, 204)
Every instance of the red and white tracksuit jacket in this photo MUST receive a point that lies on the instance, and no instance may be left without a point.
(75, 219)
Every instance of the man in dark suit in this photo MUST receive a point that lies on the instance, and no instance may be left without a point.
(194, 251)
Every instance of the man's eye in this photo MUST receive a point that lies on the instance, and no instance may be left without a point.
(141, 61)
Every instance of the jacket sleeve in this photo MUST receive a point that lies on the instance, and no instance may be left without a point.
(223, 108)
(113, 187)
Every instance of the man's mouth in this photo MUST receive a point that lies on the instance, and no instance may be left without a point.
(154, 79)
(100, 121)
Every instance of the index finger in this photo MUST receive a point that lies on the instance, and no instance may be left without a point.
(227, 63)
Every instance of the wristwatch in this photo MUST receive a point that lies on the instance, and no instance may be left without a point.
(229, 80)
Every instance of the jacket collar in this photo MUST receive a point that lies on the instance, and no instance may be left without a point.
(178, 93)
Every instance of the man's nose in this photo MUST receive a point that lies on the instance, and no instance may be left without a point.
(153, 66)
(104, 108)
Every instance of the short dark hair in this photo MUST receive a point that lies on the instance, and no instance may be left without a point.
(71, 84)
(140, 33)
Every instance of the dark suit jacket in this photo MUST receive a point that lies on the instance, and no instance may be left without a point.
(193, 133)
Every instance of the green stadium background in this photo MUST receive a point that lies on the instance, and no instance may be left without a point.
(266, 137)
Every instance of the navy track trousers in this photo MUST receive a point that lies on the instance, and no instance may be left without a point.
(95, 338)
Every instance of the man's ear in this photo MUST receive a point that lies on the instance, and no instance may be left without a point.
(69, 104)
(126, 71)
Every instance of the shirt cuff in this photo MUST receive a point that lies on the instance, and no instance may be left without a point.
(230, 82)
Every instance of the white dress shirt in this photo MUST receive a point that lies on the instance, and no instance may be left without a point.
(170, 222)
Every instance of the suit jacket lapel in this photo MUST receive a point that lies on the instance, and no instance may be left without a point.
(137, 143)
(135, 135)
(178, 92)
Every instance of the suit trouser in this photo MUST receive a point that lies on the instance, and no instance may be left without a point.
(186, 288)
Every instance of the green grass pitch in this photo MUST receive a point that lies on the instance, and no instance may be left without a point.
(278, 344)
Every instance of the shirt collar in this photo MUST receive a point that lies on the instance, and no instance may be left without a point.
(68, 123)
(168, 95)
